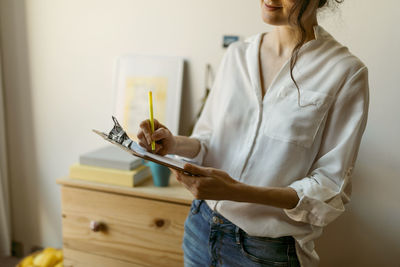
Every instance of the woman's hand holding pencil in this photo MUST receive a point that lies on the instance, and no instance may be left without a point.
(163, 139)
(156, 138)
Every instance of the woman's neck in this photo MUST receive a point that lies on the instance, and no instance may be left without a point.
(282, 39)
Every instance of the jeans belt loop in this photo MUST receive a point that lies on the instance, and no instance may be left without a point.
(237, 235)
(197, 207)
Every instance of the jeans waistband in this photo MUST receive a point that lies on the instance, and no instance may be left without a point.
(213, 217)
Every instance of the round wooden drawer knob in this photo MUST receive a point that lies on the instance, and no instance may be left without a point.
(160, 222)
(96, 226)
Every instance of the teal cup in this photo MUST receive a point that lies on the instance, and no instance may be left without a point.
(159, 172)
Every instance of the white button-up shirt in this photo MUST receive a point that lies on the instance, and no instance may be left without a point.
(274, 142)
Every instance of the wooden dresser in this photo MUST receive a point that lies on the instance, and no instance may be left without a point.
(113, 226)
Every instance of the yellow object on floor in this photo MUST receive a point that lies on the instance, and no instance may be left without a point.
(49, 257)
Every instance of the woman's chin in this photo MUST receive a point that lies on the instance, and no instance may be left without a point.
(272, 20)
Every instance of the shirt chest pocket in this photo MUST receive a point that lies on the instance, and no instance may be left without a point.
(289, 122)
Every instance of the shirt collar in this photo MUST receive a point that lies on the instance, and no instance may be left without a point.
(319, 33)
(252, 54)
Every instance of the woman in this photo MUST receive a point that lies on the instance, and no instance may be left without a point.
(278, 139)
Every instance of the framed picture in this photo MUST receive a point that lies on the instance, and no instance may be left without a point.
(134, 77)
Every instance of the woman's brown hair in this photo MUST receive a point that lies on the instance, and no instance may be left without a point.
(299, 7)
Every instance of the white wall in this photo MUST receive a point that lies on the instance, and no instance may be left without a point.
(58, 58)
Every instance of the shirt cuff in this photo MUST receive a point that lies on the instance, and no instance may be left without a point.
(198, 159)
(314, 211)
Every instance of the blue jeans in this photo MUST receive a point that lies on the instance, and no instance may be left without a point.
(212, 240)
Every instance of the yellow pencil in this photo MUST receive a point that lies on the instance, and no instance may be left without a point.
(153, 144)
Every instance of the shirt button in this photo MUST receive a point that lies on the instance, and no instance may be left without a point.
(215, 219)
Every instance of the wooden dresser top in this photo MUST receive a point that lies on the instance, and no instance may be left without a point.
(175, 192)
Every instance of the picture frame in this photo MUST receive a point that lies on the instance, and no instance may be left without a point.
(134, 77)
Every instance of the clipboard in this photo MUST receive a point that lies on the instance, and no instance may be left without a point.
(130, 146)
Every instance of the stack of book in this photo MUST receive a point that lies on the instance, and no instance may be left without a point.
(110, 165)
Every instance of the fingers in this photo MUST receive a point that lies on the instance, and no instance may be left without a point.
(203, 171)
(145, 126)
(140, 136)
(142, 140)
(177, 175)
(145, 145)
(187, 180)
(162, 151)
(197, 170)
(157, 125)
(159, 149)
(160, 133)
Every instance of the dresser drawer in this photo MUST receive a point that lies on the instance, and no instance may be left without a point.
(76, 258)
(142, 231)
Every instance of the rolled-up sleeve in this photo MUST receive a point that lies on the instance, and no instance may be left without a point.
(327, 188)
(204, 141)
